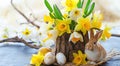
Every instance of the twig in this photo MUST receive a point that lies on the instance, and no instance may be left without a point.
(28, 20)
(116, 35)
(17, 39)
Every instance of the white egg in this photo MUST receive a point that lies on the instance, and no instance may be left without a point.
(49, 58)
(61, 59)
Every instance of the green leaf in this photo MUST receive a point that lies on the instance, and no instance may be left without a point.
(56, 16)
(51, 28)
(87, 6)
(80, 3)
(57, 12)
(73, 24)
(91, 9)
(84, 15)
(52, 16)
(48, 6)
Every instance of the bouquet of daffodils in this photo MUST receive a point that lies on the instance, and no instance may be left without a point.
(70, 28)
(75, 18)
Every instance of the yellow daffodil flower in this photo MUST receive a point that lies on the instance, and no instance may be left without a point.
(5, 36)
(106, 34)
(44, 50)
(48, 19)
(65, 15)
(83, 25)
(70, 4)
(75, 37)
(49, 36)
(97, 20)
(75, 13)
(26, 32)
(96, 24)
(63, 26)
(37, 59)
(79, 58)
(50, 26)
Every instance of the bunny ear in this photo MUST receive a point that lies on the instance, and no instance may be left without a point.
(98, 35)
(91, 34)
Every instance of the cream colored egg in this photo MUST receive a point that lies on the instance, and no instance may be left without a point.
(49, 58)
(61, 59)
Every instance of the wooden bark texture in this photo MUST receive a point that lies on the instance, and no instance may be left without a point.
(68, 48)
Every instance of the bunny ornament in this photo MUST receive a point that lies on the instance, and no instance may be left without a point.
(94, 51)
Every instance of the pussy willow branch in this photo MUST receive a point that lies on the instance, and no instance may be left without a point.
(116, 35)
(28, 20)
(17, 39)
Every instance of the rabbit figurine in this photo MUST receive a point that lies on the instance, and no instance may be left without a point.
(94, 51)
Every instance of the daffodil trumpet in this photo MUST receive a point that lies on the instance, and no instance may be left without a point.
(75, 37)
